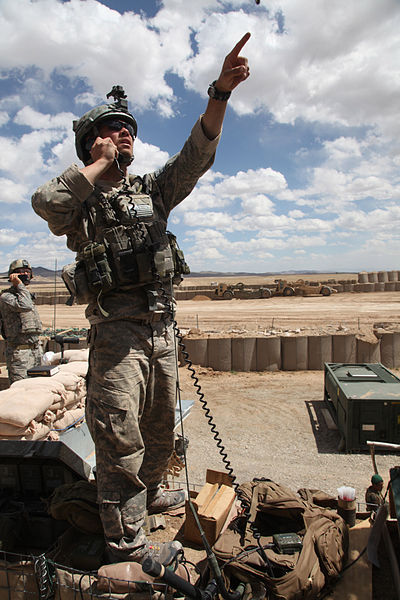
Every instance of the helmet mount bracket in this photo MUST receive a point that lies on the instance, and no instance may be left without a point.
(120, 98)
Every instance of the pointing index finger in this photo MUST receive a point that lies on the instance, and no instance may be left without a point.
(235, 51)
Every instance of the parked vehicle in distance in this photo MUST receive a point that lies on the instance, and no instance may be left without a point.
(225, 291)
(302, 288)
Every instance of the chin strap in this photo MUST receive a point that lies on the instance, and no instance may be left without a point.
(122, 160)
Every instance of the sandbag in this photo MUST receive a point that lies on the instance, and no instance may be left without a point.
(34, 427)
(70, 381)
(319, 539)
(69, 418)
(71, 356)
(124, 577)
(36, 431)
(19, 407)
(32, 383)
(18, 580)
(78, 367)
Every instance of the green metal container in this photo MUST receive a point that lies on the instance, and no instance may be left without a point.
(364, 400)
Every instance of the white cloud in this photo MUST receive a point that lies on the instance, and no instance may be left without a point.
(32, 118)
(12, 192)
(257, 205)
(148, 158)
(4, 117)
(9, 236)
(335, 63)
(261, 181)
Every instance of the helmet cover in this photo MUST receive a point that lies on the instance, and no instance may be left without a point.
(90, 120)
(19, 263)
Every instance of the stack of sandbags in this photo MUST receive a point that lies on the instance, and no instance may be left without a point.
(79, 367)
(25, 412)
(71, 407)
(40, 407)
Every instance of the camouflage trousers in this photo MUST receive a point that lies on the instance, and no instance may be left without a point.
(130, 412)
(19, 360)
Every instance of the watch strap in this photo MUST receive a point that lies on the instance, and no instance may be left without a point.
(216, 94)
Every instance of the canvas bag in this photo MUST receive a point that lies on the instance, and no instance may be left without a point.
(276, 509)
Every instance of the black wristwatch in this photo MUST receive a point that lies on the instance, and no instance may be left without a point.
(216, 94)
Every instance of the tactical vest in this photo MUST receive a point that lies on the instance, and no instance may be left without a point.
(15, 323)
(129, 248)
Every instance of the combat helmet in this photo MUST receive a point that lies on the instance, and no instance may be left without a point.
(19, 263)
(89, 121)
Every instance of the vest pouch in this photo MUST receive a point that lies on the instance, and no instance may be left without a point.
(131, 264)
(180, 265)
(98, 271)
(75, 279)
(83, 293)
(164, 262)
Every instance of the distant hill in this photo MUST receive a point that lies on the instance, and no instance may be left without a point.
(44, 273)
(39, 272)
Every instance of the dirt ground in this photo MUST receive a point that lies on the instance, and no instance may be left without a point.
(270, 424)
(352, 311)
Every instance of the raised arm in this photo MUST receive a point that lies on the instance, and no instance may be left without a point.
(234, 70)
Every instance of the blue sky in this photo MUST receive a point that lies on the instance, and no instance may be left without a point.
(307, 170)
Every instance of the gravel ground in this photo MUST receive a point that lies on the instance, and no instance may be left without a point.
(272, 425)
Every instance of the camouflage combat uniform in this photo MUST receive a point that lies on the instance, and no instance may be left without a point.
(373, 498)
(21, 328)
(132, 371)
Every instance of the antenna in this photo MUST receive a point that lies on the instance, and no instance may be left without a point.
(55, 296)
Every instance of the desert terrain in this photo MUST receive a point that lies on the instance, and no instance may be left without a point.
(270, 423)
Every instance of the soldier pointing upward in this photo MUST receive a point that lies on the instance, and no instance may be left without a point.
(116, 223)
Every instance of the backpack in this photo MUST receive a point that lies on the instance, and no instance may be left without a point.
(304, 545)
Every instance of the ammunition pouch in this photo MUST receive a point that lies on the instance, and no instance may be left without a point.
(127, 257)
(180, 265)
(87, 277)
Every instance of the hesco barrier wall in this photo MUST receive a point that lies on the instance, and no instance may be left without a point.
(296, 353)
(286, 353)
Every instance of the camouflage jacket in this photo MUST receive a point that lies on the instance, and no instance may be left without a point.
(373, 498)
(64, 201)
(20, 321)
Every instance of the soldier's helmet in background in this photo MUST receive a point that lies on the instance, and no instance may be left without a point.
(19, 263)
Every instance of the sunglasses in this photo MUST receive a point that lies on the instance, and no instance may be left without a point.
(115, 125)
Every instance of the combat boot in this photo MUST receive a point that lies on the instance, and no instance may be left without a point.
(166, 500)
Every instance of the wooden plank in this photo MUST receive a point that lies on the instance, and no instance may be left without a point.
(356, 582)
